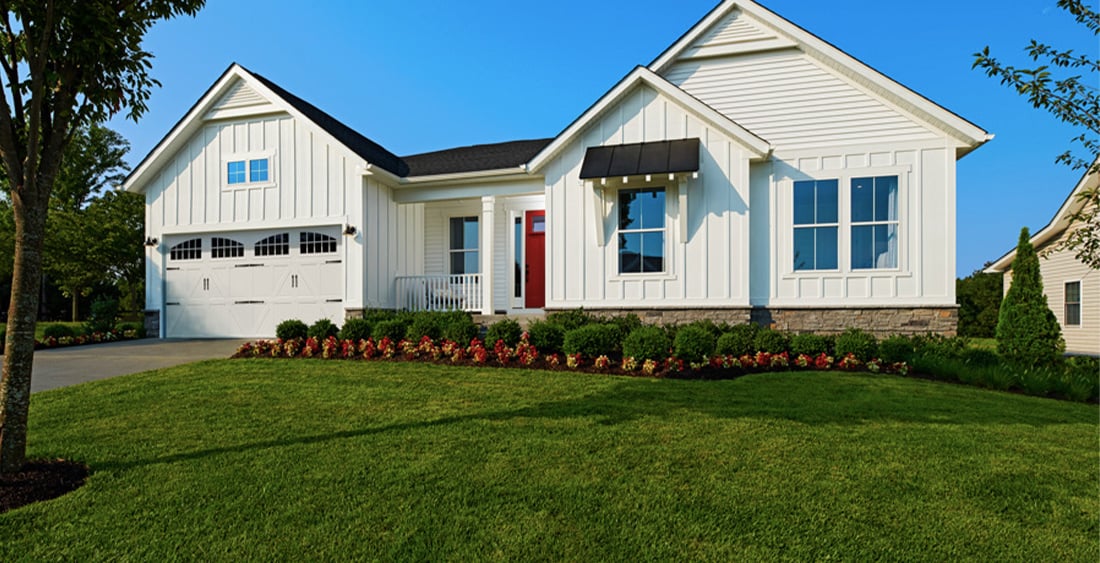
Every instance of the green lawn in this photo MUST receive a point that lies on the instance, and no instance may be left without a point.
(277, 459)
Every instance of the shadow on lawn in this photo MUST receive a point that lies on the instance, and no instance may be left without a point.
(810, 399)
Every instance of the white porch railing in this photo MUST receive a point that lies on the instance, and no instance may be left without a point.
(440, 293)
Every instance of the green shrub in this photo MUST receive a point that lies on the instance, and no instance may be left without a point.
(896, 349)
(546, 336)
(1028, 334)
(626, 323)
(571, 319)
(1081, 382)
(58, 331)
(423, 324)
(771, 341)
(976, 357)
(738, 340)
(809, 344)
(394, 329)
(593, 340)
(138, 328)
(940, 346)
(646, 343)
(860, 344)
(693, 344)
(104, 315)
(459, 327)
(323, 329)
(507, 330)
(290, 329)
(355, 329)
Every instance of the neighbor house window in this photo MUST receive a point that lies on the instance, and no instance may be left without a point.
(1073, 303)
(875, 223)
(641, 230)
(187, 250)
(274, 245)
(464, 246)
(225, 248)
(816, 224)
(316, 243)
(251, 171)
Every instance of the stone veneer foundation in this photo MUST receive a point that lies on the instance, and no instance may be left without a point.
(152, 323)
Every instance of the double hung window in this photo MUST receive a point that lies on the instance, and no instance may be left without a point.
(464, 245)
(875, 223)
(641, 230)
(816, 225)
(1073, 303)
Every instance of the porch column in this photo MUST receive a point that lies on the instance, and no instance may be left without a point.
(488, 212)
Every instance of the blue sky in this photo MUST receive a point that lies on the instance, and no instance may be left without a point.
(421, 76)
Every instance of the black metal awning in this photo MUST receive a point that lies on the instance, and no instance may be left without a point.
(660, 157)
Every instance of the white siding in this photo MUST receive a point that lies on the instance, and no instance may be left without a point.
(926, 255)
(735, 28)
(707, 268)
(792, 101)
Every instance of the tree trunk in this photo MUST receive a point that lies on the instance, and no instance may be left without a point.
(76, 307)
(15, 384)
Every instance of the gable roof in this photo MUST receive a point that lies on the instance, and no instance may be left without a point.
(642, 75)
(192, 121)
(969, 135)
(496, 156)
(1061, 221)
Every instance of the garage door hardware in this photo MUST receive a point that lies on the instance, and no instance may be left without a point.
(248, 302)
(333, 261)
(170, 269)
(248, 265)
(334, 300)
(172, 303)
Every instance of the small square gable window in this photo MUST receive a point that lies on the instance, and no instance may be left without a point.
(257, 170)
(236, 172)
(248, 172)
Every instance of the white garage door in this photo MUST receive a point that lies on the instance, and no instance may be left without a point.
(244, 284)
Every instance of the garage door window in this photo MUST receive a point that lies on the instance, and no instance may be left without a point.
(187, 250)
(316, 243)
(226, 248)
(274, 245)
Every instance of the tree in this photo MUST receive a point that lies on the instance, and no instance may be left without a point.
(979, 296)
(1071, 98)
(1027, 331)
(63, 65)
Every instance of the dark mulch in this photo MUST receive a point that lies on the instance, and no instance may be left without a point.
(40, 480)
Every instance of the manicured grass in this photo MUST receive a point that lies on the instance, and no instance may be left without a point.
(277, 459)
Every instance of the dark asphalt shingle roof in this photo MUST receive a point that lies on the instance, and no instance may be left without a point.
(497, 156)
(371, 151)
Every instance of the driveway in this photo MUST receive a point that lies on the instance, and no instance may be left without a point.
(62, 367)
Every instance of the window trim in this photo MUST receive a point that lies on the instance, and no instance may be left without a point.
(852, 223)
(1066, 304)
(837, 225)
(464, 250)
(666, 255)
(248, 158)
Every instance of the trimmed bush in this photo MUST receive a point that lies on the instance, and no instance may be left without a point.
(394, 329)
(771, 341)
(323, 329)
(646, 343)
(138, 328)
(896, 349)
(592, 340)
(58, 331)
(738, 340)
(375, 316)
(858, 343)
(981, 358)
(809, 344)
(507, 330)
(104, 315)
(425, 324)
(290, 329)
(459, 327)
(937, 345)
(693, 344)
(546, 336)
(570, 320)
(1028, 334)
(626, 323)
(355, 329)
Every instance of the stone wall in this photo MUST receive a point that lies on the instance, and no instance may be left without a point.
(152, 323)
(880, 321)
(674, 316)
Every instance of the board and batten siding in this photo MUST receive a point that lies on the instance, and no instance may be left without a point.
(925, 275)
(708, 269)
(1058, 267)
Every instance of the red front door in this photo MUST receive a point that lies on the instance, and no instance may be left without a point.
(534, 265)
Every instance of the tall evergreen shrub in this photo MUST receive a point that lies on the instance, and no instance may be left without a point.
(1027, 331)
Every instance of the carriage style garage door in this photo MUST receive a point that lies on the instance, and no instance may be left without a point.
(245, 284)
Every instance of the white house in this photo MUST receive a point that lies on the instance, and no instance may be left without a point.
(752, 171)
(1072, 288)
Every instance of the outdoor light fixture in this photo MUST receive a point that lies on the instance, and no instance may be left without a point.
(350, 230)
(151, 241)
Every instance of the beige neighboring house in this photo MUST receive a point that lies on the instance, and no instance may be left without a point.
(1071, 287)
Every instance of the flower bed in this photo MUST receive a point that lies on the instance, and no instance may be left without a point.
(80, 340)
(525, 355)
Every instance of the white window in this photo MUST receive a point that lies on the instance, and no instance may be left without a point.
(225, 248)
(247, 171)
(187, 250)
(641, 231)
(874, 223)
(1073, 303)
(316, 243)
(464, 246)
(274, 245)
(816, 225)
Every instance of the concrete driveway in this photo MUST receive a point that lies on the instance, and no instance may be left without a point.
(62, 367)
